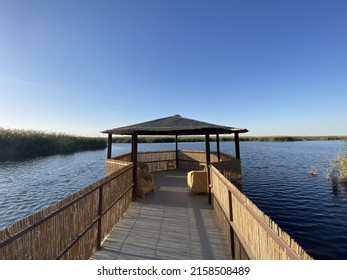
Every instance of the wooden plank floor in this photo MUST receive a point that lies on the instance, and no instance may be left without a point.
(170, 223)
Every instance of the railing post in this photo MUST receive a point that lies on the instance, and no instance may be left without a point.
(134, 160)
(237, 145)
(231, 219)
(100, 218)
(208, 162)
(109, 146)
(218, 147)
(176, 151)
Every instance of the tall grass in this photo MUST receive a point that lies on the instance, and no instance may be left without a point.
(28, 143)
(341, 164)
(337, 169)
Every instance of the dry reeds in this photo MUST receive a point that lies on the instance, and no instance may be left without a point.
(313, 171)
(341, 164)
(337, 170)
(30, 143)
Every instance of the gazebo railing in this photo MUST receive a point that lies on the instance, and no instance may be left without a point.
(167, 160)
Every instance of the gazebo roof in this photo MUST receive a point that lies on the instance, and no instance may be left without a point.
(174, 125)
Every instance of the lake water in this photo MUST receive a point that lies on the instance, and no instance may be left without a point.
(275, 178)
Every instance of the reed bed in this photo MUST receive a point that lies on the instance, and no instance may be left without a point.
(31, 143)
(341, 165)
(336, 169)
(343, 172)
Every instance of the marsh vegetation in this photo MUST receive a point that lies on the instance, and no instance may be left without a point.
(171, 139)
(30, 143)
(337, 169)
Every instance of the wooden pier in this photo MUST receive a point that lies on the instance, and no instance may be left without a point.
(170, 223)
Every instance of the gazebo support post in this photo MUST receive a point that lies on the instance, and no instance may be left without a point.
(109, 146)
(176, 138)
(237, 145)
(218, 147)
(208, 162)
(134, 160)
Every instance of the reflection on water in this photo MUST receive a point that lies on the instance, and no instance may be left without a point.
(275, 177)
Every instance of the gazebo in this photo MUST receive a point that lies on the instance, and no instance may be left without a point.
(174, 126)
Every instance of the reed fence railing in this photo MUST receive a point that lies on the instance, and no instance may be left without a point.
(250, 233)
(73, 227)
(168, 160)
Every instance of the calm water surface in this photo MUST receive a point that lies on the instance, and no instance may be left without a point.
(275, 177)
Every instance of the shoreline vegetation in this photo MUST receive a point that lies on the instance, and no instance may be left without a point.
(171, 139)
(32, 143)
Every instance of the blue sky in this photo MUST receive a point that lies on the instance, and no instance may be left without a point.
(275, 67)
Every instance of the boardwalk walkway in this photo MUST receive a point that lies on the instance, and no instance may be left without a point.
(170, 223)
